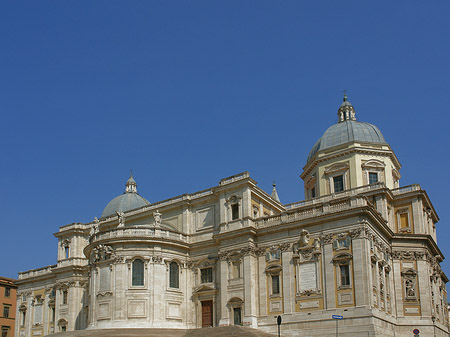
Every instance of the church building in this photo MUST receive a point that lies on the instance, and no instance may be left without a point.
(358, 246)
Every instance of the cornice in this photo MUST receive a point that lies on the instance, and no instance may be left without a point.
(339, 153)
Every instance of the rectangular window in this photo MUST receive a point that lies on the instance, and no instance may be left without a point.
(64, 297)
(174, 275)
(345, 274)
(6, 311)
(5, 331)
(234, 211)
(7, 291)
(66, 250)
(275, 284)
(342, 243)
(338, 183)
(404, 220)
(236, 271)
(373, 177)
(206, 275)
(313, 192)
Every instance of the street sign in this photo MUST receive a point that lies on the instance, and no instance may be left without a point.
(416, 331)
(337, 317)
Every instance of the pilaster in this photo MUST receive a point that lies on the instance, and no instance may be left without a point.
(224, 315)
(330, 287)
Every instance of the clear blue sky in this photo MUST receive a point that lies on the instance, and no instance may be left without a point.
(188, 92)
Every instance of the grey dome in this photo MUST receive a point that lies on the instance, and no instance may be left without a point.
(345, 132)
(127, 201)
(124, 202)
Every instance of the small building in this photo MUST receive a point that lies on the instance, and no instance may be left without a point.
(359, 246)
(8, 306)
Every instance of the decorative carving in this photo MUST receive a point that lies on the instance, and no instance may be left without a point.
(104, 294)
(118, 259)
(65, 284)
(102, 252)
(157, 259)
(285, 246)
(356, 233)
(121, 217)
(317, 244)
(326, 239)
(408, 255)
(309, 292)
(306, 253)
(260, 251)
(65, 243)
(224, 255)
(248, 251)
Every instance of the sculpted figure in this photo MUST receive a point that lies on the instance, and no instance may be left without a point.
(304, 237)
(157, 217)
(410, 291)
(121, 216)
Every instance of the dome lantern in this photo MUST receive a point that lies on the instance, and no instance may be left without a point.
(346, 111)
(131, 186)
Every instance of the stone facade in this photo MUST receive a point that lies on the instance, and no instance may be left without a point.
(358, 246)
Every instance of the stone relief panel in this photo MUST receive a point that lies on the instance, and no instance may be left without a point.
(204, 217)
(137, 308)
(174, 310)
(104, 310)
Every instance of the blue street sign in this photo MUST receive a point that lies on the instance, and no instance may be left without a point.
(337, 317)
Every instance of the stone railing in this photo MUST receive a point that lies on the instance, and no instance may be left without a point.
(72, 262)
(36, 272)
(309, 211)
(232, 179)
(343, 194)
(142, 233)
(406, 189)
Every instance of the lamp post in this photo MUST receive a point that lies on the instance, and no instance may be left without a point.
(279, 324)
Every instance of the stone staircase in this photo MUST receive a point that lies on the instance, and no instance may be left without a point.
(226, 331)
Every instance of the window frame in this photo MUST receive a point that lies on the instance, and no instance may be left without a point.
(342, 188)
(370, 175)
(343, 260)
(336, 170)
(6, 311)
(209, 275)
(348, 283)
(274, 277)
(64, 296)
(7, 291)
(399, 213)
(234, 211)
(5, 331)
(133, 270)
(172, 272)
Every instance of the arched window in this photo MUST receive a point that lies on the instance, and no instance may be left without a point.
(138, 273)
(174, 279)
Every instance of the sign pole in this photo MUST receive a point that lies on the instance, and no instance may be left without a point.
(337, 318)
